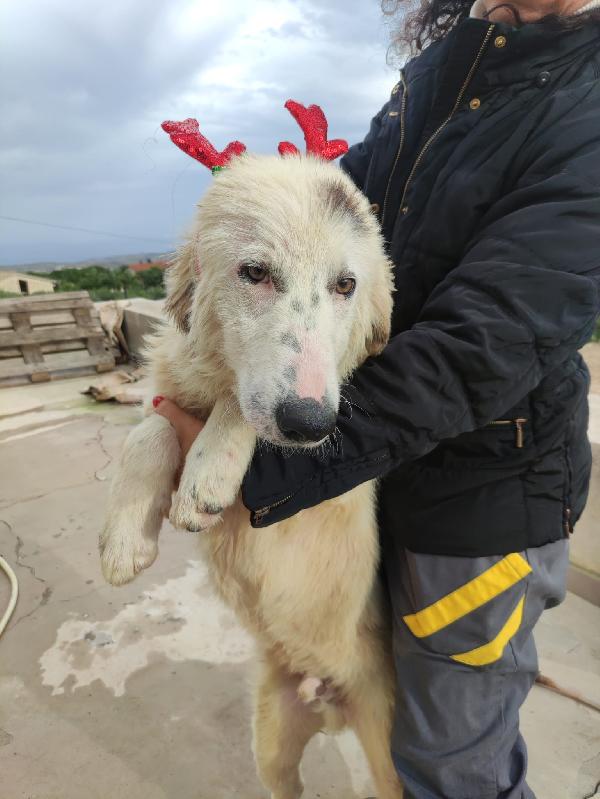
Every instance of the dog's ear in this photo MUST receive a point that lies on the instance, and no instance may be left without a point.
(180, 280)
(380, 312)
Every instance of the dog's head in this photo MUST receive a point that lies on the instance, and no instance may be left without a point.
(286, 261)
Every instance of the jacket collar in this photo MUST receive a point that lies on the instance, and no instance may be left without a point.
(478, 8)
(528, 50)
(534, 48)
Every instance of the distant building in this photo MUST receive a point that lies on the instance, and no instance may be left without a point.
(21, 283)
(148, 264)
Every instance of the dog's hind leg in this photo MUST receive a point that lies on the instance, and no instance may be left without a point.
(140, 497)
(283, 726)
(370, 716)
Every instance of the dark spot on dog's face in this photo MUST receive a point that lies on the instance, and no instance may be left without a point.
(257, 404)
(211, 509)
(314, 299)
(338, 200)
(289, 374)
(290, 340)
(297, 306)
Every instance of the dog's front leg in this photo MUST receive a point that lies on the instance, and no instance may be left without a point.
(140, 497)
(214, 468)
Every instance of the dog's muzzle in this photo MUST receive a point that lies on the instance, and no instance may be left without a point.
(305, 420)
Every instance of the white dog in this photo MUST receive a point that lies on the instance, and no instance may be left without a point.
(281, 291)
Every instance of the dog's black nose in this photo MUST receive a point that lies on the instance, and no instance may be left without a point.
(304, 420)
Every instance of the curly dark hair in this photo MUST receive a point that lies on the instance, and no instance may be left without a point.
(431, 20)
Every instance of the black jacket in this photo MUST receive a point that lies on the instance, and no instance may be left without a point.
(484, 169)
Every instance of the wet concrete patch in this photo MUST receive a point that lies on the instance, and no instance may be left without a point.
(169, 619)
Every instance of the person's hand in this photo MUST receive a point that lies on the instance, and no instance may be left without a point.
(186, 426)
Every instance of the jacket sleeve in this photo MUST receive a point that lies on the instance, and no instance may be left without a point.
(356, 161)
(523, 299)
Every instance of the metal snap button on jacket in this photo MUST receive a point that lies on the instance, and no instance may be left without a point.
(500, 41)
(475, 103)
(542, 79)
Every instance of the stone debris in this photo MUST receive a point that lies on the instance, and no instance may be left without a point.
(125, 387)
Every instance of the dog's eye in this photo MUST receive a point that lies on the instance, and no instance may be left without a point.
(257, 273)
(345, 286)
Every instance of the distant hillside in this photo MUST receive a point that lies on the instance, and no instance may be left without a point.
(111, 262)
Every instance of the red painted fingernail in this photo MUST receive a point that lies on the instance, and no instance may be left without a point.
(157, 400)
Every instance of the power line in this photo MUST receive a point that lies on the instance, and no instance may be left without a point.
(83, 230)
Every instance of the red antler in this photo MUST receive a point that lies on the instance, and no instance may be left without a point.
(313, 122)
(186, 135)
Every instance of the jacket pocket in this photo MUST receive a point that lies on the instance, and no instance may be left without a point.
(517, 426)
(506, 443)
(474, 623)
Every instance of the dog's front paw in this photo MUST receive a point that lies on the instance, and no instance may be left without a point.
(200, 500)
(186, 514)
(123, 555)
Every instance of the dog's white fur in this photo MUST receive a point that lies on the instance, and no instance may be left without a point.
(305, 587)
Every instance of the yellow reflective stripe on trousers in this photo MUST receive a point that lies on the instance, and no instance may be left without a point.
(487, 585)
(488, 653)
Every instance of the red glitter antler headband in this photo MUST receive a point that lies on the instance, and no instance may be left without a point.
(186, 135)
(313, 122)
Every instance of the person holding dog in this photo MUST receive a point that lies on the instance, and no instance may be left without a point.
(483, 169)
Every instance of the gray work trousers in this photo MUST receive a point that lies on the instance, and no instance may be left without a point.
(465, 661)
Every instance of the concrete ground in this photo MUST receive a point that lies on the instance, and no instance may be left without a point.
(142, 692)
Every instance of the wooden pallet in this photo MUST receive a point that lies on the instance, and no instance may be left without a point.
(50, 336)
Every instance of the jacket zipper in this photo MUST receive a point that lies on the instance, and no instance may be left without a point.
(400, 146)
(435, 134)
(259, 515)
(518, 425)
(567, 513)
(567, 523)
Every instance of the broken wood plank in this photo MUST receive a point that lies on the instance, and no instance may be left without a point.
(50, 347)
(42, 298)
(17, 368)
(59, 374)
(51, 319)
(63, 346)
(17, 337)
(58, 304)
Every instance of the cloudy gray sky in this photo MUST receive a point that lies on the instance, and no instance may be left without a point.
(85, 85)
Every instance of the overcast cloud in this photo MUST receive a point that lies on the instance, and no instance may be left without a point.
(85, 86)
